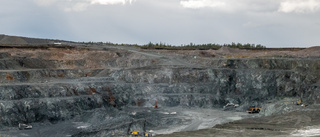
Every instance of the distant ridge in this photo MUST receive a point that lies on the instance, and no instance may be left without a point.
(17, 40)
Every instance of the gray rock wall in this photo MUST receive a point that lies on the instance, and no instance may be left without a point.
(58, 94)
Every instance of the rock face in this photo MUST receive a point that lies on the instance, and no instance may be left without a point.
(60, 84)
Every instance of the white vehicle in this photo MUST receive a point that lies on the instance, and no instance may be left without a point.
(24, 126)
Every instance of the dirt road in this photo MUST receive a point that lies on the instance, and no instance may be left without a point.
(298, 123)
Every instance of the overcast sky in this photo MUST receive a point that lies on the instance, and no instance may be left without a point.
(273, 23)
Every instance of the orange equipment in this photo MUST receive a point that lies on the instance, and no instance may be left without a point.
(155, 105)
(253, 109)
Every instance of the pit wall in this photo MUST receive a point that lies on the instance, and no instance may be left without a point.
(241, 82)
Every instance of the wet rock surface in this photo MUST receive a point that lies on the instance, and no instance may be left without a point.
(108, 91)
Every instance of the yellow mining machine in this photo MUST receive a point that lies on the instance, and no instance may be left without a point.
(253, 109)
(299, 102)
(136, 133)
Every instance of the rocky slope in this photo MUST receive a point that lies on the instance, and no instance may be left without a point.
(87, 83)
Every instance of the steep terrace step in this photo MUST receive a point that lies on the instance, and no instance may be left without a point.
(190, 75)
(261, 63)
(42, 75)
(43, 109)
(63, 88)
(9, 63)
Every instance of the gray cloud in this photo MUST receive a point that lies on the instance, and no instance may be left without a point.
(79, 5)
(299, 6)
(266, 22)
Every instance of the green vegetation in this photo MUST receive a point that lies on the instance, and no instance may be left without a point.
(190, 46)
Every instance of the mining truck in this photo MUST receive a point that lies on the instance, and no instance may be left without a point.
(253, 109)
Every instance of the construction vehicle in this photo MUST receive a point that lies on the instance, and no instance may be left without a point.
(253, 109)
(231, 104)
(298, 102)
(136, 133)
(155, 104)
(147, 134)
(24, 126)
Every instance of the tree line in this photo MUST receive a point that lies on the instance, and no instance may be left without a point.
(190, 46)
(193, 46)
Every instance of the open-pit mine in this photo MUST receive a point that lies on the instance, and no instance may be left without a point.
(66, 89)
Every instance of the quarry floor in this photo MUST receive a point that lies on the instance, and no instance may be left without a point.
(180, 119)
(184, 122)
(304, 122)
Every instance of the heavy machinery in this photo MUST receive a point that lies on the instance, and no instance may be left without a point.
(155, 104)
(146, 134)
(136, 133)
(24, 126)
(253, 109)
(298, 102)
